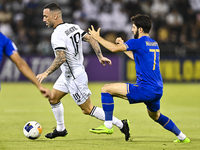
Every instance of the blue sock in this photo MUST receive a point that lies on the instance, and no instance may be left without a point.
(168, 124)
(108, 105)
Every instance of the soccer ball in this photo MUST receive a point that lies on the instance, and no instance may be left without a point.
(32, 130)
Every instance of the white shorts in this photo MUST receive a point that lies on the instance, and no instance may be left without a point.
(78, 88)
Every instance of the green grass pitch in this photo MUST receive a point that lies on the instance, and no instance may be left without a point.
(21, 102)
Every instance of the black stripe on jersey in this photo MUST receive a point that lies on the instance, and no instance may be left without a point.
(60, 48)
(70, 69)
(83, 34)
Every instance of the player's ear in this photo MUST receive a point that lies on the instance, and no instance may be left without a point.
(140, 29)
(55, 16)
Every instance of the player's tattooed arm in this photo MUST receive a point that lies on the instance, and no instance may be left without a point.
(94, 44)
(58, 61)
(97, 50)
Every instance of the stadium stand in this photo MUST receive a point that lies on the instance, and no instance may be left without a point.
(176, 24)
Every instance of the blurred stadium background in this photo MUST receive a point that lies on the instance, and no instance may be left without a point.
(176, 27)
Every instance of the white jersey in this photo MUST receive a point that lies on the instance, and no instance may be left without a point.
(68, 37)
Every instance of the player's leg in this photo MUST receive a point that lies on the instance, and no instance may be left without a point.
(58, 92)
(81, 94)
(116, 89)
(87, 106)
(89, 109)
(57, 108)
(108, 92)
(169, 125)
(58, 111)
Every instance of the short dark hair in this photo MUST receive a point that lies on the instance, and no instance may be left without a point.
(143, 21)
(52, 6)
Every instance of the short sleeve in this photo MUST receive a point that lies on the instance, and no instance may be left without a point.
(81, 31)
(132, 44)
(9, 48)
(57, 42)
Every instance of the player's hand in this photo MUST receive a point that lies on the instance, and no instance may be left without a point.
(41, 77)
(94, 33)
(105, 61)
(45, 92)
(119, 40)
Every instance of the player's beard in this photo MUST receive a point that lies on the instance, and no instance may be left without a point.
(136, 35)
(49, 24)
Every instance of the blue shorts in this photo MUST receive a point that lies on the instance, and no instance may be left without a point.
(135, 94)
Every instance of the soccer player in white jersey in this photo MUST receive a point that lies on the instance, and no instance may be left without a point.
(66, 41)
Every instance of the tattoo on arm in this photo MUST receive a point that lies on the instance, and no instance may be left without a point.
(58, 61)
(96, 48)
(94, 44)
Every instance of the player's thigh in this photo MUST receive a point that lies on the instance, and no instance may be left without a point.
(115, 89)
(59, 90)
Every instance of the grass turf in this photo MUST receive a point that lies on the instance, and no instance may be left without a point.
(21, 102)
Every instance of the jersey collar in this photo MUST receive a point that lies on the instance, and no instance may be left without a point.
(58, 25)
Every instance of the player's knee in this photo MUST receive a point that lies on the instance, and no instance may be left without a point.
(53, 101)
(154, 116)
(104, 89)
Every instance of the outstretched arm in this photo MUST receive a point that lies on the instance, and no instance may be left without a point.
(28, 73)
(108, 45)
(58, 61)
(97, 49)
(128, 53)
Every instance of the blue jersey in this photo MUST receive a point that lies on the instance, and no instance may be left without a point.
(146, 55)
(7, 47)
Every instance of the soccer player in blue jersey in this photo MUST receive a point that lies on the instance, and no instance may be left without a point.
(149, 85)
(8, 48)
